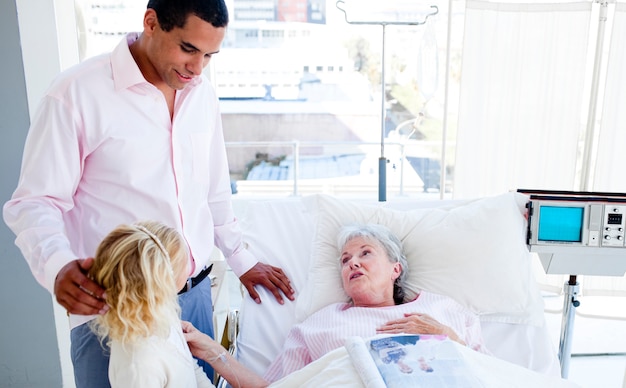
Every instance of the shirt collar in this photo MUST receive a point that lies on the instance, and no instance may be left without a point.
(126, 73)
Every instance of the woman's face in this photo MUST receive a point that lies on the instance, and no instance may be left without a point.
(367, 274)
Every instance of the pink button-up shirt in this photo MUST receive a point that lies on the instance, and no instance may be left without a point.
(102, 151)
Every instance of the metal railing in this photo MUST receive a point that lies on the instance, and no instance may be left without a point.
(296, 147)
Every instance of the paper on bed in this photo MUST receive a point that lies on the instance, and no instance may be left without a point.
(402, 360)
(363, 363)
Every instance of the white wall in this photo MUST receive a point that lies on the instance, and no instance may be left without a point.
(30, 353)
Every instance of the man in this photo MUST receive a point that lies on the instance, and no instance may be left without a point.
(132, 135)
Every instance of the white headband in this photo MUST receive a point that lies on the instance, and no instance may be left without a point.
(155, 239)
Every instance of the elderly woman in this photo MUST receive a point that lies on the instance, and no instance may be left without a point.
(373, 270)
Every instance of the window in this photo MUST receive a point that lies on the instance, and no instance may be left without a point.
(331, 111)
(316, 80)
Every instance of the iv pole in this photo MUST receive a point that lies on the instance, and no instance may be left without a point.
(571, 287)
(382, 161)
(585, 180)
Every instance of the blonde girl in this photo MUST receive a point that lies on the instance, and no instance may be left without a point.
(142, 266)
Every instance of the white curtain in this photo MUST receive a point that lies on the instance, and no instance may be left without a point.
(609, 174)
(521, 97)
(523, 108)
(611, 154)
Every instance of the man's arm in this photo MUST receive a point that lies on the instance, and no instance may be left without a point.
(50, 173)
(49, 176)
(228, 235)
(251, 272)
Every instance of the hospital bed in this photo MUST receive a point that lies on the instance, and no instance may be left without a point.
(473, 251)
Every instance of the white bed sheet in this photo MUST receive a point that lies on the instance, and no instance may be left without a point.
(280, 232)
(335, 369)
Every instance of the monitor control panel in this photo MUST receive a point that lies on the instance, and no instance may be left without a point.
(578, 232)
(613, 225)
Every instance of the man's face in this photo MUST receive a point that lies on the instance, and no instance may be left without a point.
(178, 56)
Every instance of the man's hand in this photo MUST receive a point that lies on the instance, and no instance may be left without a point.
(270, 277)
(76, 292)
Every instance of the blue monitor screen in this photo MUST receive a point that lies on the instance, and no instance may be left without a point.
(561, 223)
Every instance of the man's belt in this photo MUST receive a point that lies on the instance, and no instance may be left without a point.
(192, 282)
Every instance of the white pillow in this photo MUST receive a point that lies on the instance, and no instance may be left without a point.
(474, 252)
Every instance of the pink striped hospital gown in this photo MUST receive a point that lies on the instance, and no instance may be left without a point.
(329, 328)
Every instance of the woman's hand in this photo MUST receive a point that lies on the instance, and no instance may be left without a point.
(417, 323)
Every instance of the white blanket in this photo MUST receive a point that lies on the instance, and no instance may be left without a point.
(336, 369)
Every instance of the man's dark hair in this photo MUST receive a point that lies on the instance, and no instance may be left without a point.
(174, 13)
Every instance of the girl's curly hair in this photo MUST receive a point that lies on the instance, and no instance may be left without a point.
(138, 265)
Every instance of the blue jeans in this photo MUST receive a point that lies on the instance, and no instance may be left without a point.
(197, 308)
(91, 359)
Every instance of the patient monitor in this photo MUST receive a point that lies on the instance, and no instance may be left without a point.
(578, 233)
